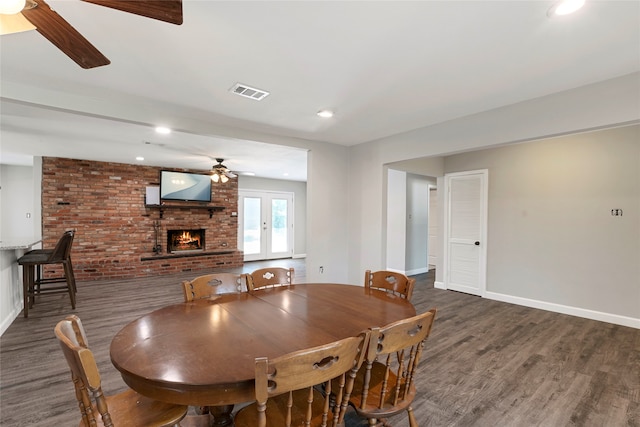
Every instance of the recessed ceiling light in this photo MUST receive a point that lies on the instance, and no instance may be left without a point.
(163, 130)
(139, 158)
(325, 114)
(565, 7)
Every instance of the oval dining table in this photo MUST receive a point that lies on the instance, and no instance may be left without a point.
(202, 353)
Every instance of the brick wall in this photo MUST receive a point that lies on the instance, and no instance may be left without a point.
(115, 232)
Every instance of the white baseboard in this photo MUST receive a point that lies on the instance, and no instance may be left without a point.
(439, 285)
(416, 271)
(13, 315)
(299, 256)
(564, 309)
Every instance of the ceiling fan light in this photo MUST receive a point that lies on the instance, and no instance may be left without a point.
(11, 7)
(224, 178)
(215, 177)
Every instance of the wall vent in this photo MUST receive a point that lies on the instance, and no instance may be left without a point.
(249, 92)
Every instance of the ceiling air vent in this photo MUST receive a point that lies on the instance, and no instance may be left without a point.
(249, 92)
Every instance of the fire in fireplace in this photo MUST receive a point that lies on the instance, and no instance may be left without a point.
(185, 240)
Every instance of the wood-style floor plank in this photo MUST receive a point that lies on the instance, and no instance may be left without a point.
(487, 363)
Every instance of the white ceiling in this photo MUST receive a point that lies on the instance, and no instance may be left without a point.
(383, 67)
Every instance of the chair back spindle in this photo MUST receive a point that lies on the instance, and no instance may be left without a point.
(385, 384)
(309, 387)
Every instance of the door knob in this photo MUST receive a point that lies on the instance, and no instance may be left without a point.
(477, 243)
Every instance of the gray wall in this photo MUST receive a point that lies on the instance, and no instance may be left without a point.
(552, 237)
(299, 190)
(589, 108)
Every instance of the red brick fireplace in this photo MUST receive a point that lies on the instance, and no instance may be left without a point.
(117, 235)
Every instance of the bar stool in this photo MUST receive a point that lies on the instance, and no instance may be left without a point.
(33, 284)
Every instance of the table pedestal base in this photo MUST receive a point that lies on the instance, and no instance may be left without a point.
(221, 415)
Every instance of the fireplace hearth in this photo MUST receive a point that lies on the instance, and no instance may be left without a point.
(179, 241)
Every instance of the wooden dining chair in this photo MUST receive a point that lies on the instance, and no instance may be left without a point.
(35, 282)
(297, 389)
(384, 385)
(269, 278)
(390, 281)
(123, 409)
(206, 286)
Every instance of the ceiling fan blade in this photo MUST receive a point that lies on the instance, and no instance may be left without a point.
(163, 10)
(59, 32)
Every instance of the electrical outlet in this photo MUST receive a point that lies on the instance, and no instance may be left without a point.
(321, 269)
(616, 212)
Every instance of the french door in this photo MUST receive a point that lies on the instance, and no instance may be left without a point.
(265, 223)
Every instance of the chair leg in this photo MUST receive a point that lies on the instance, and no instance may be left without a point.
(68, 273)
(26, 286)
(412, 418)
(72, 276)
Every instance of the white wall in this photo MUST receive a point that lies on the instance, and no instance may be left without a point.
(17, 202)
(396, 229)
(599, 105)
(417, 223)
(328, 201)
(19, 195)
(299, 190)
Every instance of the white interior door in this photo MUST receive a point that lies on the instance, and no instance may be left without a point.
(265, 223)
(466, 226)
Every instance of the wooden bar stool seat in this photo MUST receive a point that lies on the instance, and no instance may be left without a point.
(33, 280)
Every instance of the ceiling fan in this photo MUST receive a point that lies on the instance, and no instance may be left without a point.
(221, 173)
(66, 38)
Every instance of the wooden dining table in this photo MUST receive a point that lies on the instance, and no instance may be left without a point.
(202, 353)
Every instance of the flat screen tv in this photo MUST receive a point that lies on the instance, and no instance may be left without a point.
(185, 186)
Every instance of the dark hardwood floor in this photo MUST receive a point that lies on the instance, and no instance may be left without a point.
(486, 363)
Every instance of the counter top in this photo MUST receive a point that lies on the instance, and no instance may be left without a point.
(18, 243)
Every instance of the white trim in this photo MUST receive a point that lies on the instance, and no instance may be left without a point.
(299, 256)
(416, 271)
(439, 285)
(565, 309)
(17, 308)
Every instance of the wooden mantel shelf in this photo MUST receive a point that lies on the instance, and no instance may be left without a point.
(162, 208)
(186, 254)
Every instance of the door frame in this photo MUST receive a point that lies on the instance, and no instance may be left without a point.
(482, 260)
(266, 196)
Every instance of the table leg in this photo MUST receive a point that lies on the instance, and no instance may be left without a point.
(221, 415)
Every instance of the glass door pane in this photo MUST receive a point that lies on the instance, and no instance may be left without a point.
(265, 224)
(252, 224)
(279, 226)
